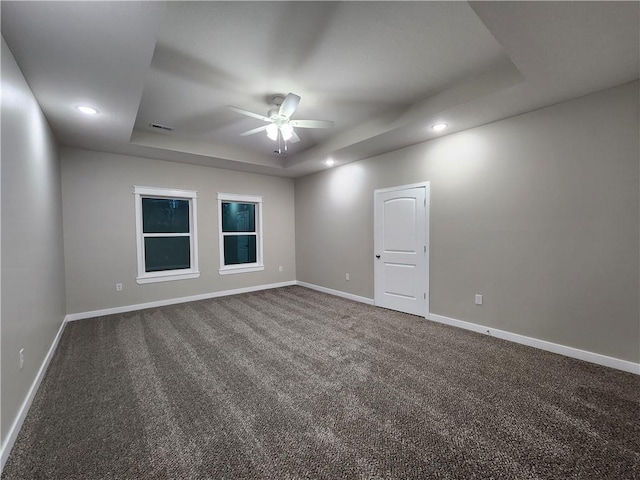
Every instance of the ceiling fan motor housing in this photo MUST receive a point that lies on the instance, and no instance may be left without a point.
(274, 113)
(277, 100)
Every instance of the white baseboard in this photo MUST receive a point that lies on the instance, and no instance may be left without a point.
(585, 355)
(173, 301)
(26, 404)
(337, 293)
(596, 358)
(513, 337)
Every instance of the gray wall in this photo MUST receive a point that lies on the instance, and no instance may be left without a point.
(539, 213)
(33, 295)
(100, 238)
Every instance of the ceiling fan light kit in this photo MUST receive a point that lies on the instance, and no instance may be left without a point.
(287, 131)
(280, 125)
(272, 131)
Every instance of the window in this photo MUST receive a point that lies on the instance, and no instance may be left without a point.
(166, 234)
(240, 225)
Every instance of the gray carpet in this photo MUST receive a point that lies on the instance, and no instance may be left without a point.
(295, 384)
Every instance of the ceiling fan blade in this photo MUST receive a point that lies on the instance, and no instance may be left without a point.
(294, 138)
(311, 123)
(248, 113)
(255, 130)
(289, 105)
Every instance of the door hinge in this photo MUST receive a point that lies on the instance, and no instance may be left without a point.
(425, 202)
(425, 249)
(425, 296)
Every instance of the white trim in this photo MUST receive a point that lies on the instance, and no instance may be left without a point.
(164, 192)
(191, 196)
(337, 293)
(427, 238)
(240, 268)
(256, 266)
(585, 355)
(193, 211)
(403, 187)
(165, 235)
(139, 228)
(238, 197)
(12, 434)
(154, 277)
(174, 301)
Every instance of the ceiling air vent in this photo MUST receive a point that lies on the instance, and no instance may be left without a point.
(160, 127)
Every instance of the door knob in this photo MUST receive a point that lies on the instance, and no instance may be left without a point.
(377, 256)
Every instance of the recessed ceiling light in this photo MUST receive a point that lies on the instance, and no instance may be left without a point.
(438, 127)
(329, 161)
(87, 110)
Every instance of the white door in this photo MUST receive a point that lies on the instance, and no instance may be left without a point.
(401, 248)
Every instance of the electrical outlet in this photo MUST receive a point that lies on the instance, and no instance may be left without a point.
(346, 277)
(21, 358)
(478, 299)
(280, 268)
(118, 287)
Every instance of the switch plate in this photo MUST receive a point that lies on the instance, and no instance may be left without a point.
(280, 268)
(346, 277)
(478, 299)
(118, 287)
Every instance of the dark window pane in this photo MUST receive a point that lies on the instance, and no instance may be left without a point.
(239, 249)
(238, 217)
(166, 253)
(165, 215)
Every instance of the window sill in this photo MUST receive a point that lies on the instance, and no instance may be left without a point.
(240, 269)
(167, 277)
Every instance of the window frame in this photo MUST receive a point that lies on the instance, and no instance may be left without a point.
(256, 266)
(172, 194)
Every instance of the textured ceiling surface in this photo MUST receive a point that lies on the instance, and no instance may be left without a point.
(383, 72)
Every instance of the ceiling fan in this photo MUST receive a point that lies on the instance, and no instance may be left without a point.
(280, 126)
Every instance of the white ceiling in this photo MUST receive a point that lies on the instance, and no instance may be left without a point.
(383, 72)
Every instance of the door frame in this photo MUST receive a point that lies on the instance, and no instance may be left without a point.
(427, 196)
